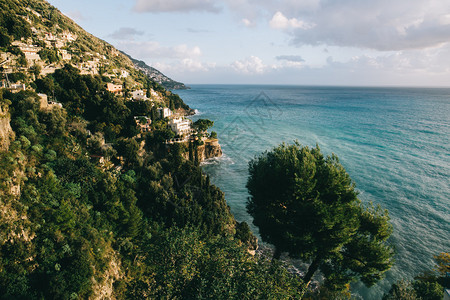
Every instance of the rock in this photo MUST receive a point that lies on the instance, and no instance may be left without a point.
(6, 132)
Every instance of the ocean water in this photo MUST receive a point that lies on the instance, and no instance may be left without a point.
(394, 143)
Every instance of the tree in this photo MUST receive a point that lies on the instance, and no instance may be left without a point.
(306, 204)
(203, 124)
(429, 285)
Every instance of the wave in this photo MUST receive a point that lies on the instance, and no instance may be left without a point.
(218, 160)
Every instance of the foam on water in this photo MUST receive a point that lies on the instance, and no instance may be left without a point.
(394, 143)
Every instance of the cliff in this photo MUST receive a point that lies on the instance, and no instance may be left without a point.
(6, 132)
(210, 149)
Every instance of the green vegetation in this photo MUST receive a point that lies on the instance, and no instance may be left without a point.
(306, 204)
(203, 124)
(12, 25)
(146, 220)
(49, 55)
(427, 286)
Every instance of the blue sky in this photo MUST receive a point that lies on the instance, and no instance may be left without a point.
(304, 42)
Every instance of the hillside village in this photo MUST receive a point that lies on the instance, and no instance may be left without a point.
(42, 51)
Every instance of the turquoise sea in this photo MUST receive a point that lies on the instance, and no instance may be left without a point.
(394, 143)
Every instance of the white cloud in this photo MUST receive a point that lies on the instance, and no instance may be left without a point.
(280, 21)
(249, 65)
(380, 24)
(76, 15)
(153, 50)
(247, 22)
(184, 66)
(125, 33)
(176, 6)
(293, 58)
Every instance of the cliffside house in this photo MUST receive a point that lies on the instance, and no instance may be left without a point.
(164, 112)
(17, 87)
(180, 126)
(30, 51)
(65, 55)
(139, 95)
(44, 104)
(124, 74)
(114, 88)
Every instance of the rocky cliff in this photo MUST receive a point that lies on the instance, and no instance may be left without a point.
(6, 132)
(210, 149)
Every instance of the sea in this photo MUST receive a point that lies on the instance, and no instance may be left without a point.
(394, 143)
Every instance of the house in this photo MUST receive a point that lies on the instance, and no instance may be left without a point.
(139, 95)
(43, 101)
(180, 126)
(124, 74)
(65, 55)
(31, 52)
(164, 112)
(52, 104)
(114, 88)
(17, 87)
(49, 37)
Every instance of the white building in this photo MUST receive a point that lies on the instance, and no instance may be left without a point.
(65, 55)
(124, 74)
(138, 95)
(164, 112)
(180, 126)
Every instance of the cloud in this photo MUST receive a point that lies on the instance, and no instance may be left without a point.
(76, 15)
(293, 58)
(380, 24)
(279, 21)
(193, 30)
(176, 6)
(125, 33)
(249, 65)
(154, 50)
(184, 66)
(247, 22)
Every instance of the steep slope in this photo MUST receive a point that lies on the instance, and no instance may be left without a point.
(37, 39)
(93, 205)
(157, 76)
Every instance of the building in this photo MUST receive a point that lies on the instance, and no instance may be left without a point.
(65, 55)
(43, 101)
(52, 104)
(139, 95)
(17, 87)
(180, 126)
(164, 112)
(124, 74)
(114, 88)
(447, 294)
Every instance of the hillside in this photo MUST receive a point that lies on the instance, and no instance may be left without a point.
(101, 192)
(157, 76)
(36, 39)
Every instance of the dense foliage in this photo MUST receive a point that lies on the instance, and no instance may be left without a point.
(305, 204)
(146, 222)
(427, 286)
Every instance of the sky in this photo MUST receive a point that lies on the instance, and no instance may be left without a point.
(293, 42)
